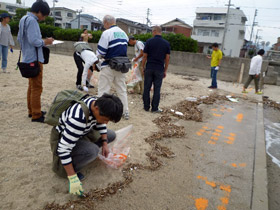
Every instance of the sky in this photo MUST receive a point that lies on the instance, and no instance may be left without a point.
(162, 11)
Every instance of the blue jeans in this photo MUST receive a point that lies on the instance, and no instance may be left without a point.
(152, 77)
(4, 55)
(214, 77)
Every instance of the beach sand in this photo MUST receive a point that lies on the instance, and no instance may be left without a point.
(26, 178)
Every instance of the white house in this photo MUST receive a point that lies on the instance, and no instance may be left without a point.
(209, 27)
(87, 22)
(63, 16)
(11, 8)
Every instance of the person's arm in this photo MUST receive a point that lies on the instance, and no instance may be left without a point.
(144, 60)
(167, 58)
(139, 56)
(102, 128)
(258, 67)
(33, 34)
(102, 46)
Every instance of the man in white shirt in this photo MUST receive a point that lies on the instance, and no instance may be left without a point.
(90, 60)
(138, 48)
(255, 71)
(113, 43)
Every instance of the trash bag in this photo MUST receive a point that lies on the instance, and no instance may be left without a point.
(119, 149)
(134, 76)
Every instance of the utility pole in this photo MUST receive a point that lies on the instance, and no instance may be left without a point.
(54, 1)
(79, 14)
(254, 24)
(257, 35)
(226, 24)
(149, 23)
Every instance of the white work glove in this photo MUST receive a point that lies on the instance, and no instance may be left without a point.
(75, 186)
(217, 68)
(85, 88)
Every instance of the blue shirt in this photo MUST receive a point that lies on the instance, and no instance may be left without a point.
(30, 39)
(157, 48)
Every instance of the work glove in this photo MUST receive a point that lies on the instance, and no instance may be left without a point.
(85, 88)
(217, 68)
(75, 185)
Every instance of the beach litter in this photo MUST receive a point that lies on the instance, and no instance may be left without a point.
(235, 100)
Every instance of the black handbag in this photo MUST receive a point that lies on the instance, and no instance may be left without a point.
(121, 64)
(46, 54)
(29, 70)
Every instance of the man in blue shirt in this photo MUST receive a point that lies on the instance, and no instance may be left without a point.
(157, 55)
(30, 38)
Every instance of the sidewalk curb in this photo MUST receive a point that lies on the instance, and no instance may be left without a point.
(260, 192)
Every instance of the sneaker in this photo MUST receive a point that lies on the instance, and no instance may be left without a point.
(244, 91)
(41, 119)
(146, 109)
(259, 93)
(4, 71)
(80, 176)
(43, 114)
(90, 86)
(210, 87)
(79, 87)
(126, 116)
(158, 111)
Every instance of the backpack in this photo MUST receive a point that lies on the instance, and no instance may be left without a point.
(80, 46)
(63, 101)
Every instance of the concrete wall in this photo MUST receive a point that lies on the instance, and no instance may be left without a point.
(194, 64)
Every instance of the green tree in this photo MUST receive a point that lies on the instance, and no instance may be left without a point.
(3, 11)
(48, 21)
(20, 12)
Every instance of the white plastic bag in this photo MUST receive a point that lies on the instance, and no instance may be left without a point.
(119, 149)
(134, 76)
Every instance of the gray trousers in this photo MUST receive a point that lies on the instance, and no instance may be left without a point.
(85, 151)
(256, 80)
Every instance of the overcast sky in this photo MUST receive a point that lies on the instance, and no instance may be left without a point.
(162, 11)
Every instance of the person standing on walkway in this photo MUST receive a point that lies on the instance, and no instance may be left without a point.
(155, 64)
(85, 35)
(113, 43)
(139, 52)
(30, 38)
(216, 59)
(6, 40)
(254, 72)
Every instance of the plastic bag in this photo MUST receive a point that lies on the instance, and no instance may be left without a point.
(119, 149)
(134, 76)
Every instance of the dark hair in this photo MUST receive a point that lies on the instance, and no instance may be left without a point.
(110, 106)
(215, 45)
(261, 52)
(41, 6)
(131, 38)
(84, 29)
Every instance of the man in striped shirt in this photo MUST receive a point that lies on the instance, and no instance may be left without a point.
(113, 43)
(76, 140)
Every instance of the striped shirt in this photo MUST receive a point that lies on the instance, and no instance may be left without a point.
(72, 126)
(113, 43)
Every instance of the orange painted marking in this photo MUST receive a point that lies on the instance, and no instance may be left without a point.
(217, 115)
(214, 110)
(222, 208)
(220, 127)
(219, 131)
(226, 188)
(229, 142)
(242, 164)
(216, 134)
(232, 134)
(225, 200)
(205, 127)
(230, 138)
(201, 203)
(198, 133)
(212, 184)
(202, 155)
(239, 117)
(214, 138)
(211, 142)
(201, 130)
(234, 165)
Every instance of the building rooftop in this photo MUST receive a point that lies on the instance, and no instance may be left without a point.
(132, 23)
(183, 23)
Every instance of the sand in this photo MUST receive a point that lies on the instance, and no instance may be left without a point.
(26, 179)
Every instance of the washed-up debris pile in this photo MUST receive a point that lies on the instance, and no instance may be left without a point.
(273, 104)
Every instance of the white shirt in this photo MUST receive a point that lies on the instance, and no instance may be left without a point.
(89, 58)
(138, 47)
(256, 65)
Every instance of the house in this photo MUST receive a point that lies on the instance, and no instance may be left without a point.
(11, 8)
(87, 21)
(276, 46)
(63, 16)
(131, 27)
(177, 26)
(209, 27)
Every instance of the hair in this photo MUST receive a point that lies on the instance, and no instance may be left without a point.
(215, 45)
(261, 52)
(157, 29)
(110, 106)
(84, 29)
(131, 38)
(109, 19)
(41, 6)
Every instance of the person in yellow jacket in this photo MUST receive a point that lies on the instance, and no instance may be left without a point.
(216, 59)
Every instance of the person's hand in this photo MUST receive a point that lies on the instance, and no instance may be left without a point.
(208, 56)
(217, 68)
(105, 149)
(85, 88)
(75, 185)
(164, 74)
(49, 41)
(135, 59)
(11, 46)
(257, 75)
